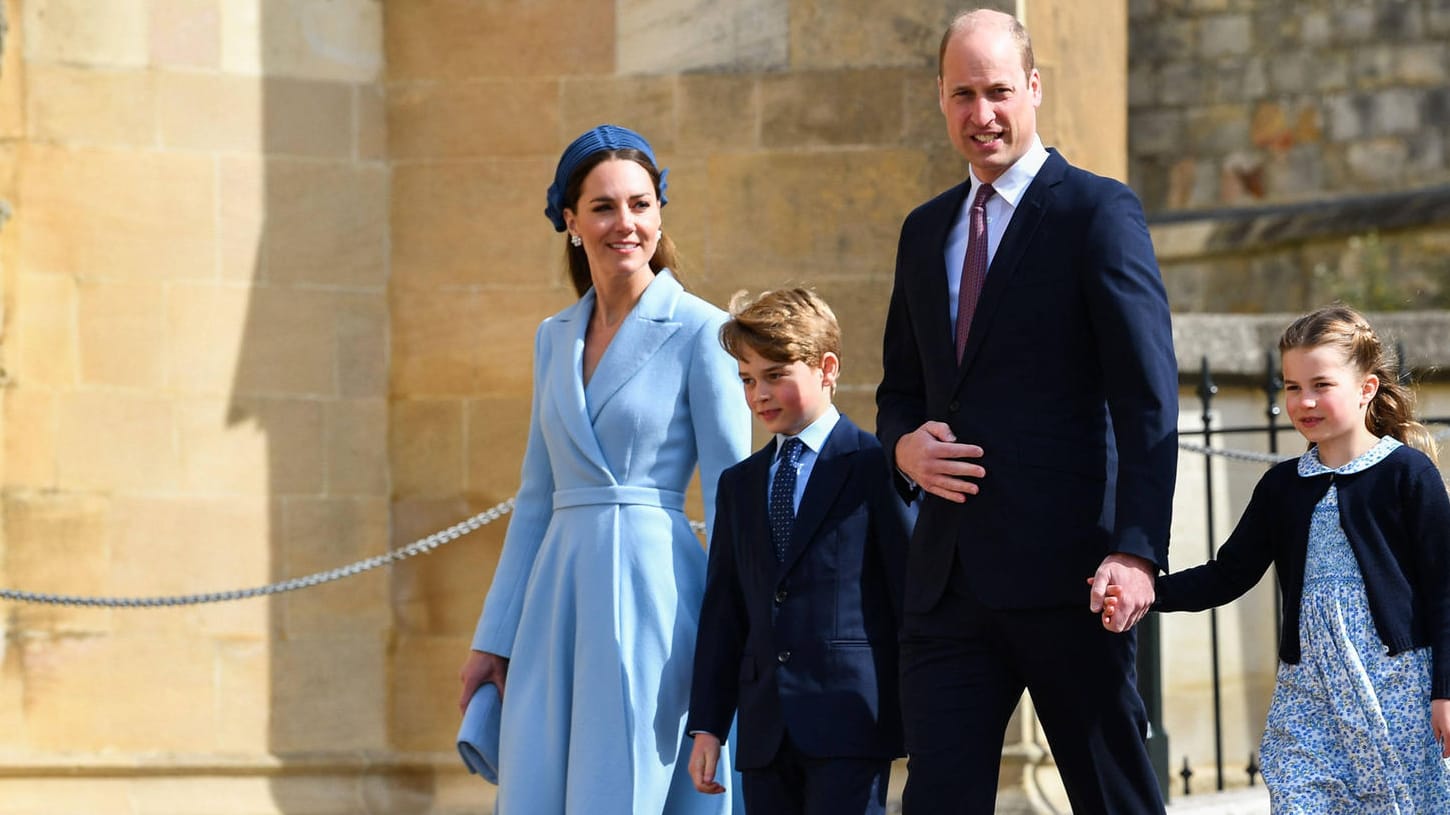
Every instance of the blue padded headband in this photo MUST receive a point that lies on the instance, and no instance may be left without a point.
(603, 137)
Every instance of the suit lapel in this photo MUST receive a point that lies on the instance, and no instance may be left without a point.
(644, 332)
(1020, 232)
(757, 501)
(937, 294)
(828, 475)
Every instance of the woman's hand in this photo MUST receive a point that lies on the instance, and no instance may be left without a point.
(1440, 723)
(480, 669)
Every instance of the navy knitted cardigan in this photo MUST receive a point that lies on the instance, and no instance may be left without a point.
(1396, 515)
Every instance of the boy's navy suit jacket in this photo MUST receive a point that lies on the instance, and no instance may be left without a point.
(806, 644)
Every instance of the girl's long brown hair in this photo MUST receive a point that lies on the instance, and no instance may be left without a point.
(1392, 410)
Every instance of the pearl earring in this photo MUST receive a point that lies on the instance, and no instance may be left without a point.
(575, 240)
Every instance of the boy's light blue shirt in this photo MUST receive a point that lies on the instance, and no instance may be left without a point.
(814, 438)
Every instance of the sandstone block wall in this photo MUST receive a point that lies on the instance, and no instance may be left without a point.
(270, 278)
(195, 346)
(798, 135)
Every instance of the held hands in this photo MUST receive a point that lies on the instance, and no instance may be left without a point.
(704, 756)
(480, 669)
(931, 456)
(1122, 590)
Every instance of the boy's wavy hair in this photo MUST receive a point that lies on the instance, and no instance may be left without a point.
(1392, 410)
(784, 325)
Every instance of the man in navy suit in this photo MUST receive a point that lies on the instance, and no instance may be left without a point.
(1029, 401)
(803, 594)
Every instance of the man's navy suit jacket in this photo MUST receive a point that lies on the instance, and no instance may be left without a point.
(808, 643)
(1068, 383)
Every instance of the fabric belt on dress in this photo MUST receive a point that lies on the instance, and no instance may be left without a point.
(623, 494)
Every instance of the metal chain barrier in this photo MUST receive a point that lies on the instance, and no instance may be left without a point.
(1236, 455)
(418, 547)
(1263, 458)
(428, 544)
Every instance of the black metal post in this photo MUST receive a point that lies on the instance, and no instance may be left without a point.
(1273, 384)
(1206, 392)
(1150, 686)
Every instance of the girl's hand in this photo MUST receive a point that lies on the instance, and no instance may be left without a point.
(1112, 596)
(1440, 723)
(480, 669)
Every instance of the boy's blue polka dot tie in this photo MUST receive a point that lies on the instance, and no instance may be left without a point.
(782, 497)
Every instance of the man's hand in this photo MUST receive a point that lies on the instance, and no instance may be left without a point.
(1122, 590)
(704, 756)
(931, 456)
(480, 669)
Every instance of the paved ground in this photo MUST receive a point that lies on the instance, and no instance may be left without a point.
(1252, 801)
(1236, 802)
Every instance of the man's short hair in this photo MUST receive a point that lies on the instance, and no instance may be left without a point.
(971, 19)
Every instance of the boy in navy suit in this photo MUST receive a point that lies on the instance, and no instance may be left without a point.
(803, 595)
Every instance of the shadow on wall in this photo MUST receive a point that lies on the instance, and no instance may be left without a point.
(311, 373)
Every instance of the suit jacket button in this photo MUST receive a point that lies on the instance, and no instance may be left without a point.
(780, 596)
(954, 407)
(783, 657)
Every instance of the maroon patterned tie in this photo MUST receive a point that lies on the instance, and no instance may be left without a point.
(974, 267)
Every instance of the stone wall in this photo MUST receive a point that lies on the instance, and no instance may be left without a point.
(798, 135)
(1247, 101)
(269, 286)
(1242, 109)
(195, 357)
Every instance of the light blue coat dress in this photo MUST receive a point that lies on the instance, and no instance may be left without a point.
(597, 594)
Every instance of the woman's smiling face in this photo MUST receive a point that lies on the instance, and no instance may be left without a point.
(618, 219)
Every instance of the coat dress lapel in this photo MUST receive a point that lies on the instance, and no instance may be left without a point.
(566, 382)
(649, 325)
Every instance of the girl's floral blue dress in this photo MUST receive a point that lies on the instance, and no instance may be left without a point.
(1349, 726)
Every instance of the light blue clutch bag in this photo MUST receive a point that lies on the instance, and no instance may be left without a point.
(478, 735)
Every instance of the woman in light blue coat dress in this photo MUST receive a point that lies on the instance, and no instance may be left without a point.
(589, 627)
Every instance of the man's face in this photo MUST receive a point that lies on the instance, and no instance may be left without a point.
(989, 102)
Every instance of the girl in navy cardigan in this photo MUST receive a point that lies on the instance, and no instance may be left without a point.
(1359, 530)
